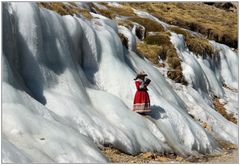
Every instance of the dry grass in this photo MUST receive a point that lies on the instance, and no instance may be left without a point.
(126, 23)
(64, 9)
(200, 46)
(161, 38)
(221, 109)
(180, 31)
(177, 76)
(167, 50)
(196, 44)
(212, 22)
(150, 25)
(159, 46)
(115, 11)
(151, 52)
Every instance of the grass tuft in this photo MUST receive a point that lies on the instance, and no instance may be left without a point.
(150, 25)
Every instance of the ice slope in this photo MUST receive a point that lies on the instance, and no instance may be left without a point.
(209, 74)
(68, 89)
(206, 77)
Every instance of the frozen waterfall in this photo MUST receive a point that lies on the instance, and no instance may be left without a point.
(68, 88)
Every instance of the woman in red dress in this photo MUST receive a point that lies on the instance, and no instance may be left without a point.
(141, 100)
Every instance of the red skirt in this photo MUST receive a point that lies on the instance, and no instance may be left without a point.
(141, 101)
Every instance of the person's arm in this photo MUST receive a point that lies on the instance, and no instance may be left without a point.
(140, 85)
(147, 82)
(143, 86)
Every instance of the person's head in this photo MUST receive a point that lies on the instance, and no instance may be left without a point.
(141, 75)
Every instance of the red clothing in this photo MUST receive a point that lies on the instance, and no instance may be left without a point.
(141, 99)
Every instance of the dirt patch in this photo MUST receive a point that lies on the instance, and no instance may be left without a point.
(116, 156)
(228, 154)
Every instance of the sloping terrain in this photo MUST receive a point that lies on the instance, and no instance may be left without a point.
(213, 21)
(68, 84)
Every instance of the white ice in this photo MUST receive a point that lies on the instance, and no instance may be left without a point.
(68, 89)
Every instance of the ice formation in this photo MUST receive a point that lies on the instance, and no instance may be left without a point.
(68, 89)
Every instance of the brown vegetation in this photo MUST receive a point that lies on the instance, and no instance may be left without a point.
(160, 38)
(216, 24)
(126, 23)
(158, 45)
(228, 6)
(151, 52)
(195, 44)
(64, 9)
(150, 25)
(167, 50)
(115, 11)
(222, 110)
